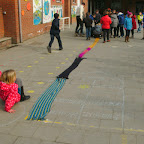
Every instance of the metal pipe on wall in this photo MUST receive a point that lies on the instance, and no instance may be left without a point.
(20, 23)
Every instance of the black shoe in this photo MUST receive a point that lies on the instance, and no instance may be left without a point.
(142, 38)
(61, 48)
(23, 96)
(87, 38)
(49, 49)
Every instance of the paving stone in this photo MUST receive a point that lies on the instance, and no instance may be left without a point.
(24, 129)
(22, 140)
(70, 137)
(123, 139)
(47, 133)
(7, 139)
(97, 138)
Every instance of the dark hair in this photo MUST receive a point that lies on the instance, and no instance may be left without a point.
(106, 12)
(87, 14)
(83, 3)
(56, 15)
(97, 10)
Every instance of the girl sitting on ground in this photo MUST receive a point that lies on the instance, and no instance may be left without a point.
(11, 90)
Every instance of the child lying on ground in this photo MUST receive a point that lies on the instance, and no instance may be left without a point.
(11, 89)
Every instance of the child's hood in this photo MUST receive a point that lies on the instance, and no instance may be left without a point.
(120, 14)
(0, 73)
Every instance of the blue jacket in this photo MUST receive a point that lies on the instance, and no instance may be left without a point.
(121, 18)
(143, 19)
(128, 23)
(91, 17)
(55, 27)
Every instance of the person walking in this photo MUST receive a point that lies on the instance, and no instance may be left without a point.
(120, 25)
(114, 24)
(128, 26)
(88, 24)
(55, 32)
(133, 24)
(140, 20)
(79, 18)
(106, 21)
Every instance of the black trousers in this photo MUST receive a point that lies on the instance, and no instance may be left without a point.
(128, 33)
(132, 32)
(58, 38)
(105, 32)
(121, 29)
(79, 24)
(115, 30)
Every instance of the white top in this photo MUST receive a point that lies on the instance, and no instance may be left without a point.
(80, 12)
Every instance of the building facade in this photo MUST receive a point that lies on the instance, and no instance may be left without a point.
(24, 19)
(120, 5)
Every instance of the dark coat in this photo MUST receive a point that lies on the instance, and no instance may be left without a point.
(55, 27)
(97, 18)
(88, 22)
(121, 18)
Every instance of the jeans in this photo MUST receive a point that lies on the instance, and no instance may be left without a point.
(115, 29)
(88, 32)
(52, 40)
(139, 29)
(121, 29)
(19, 83)
(128, 33)
(106, 32)
(79, 23)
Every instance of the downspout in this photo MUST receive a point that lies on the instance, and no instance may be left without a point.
(20, 22)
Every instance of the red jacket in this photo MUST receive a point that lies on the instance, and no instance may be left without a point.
(106, 21)
(134, 22)
(9, 94)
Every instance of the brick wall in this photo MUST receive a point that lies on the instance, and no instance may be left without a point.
(30, 30)
(11, 26)
(1, 24)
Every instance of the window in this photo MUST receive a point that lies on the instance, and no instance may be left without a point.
(74, 1)
(58, 1)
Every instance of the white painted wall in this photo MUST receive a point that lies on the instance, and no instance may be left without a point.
(78, 2)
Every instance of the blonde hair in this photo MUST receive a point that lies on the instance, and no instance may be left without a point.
(8, 76)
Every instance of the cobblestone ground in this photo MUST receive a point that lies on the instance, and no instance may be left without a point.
(101, 103)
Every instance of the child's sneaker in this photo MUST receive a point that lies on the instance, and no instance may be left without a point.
(49, 49)
(104, 42)
(108, 40)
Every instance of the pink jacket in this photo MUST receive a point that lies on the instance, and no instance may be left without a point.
(9, 94)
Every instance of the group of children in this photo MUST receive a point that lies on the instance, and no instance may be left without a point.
(113, 24)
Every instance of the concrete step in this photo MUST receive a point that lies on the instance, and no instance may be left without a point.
(5, 42)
